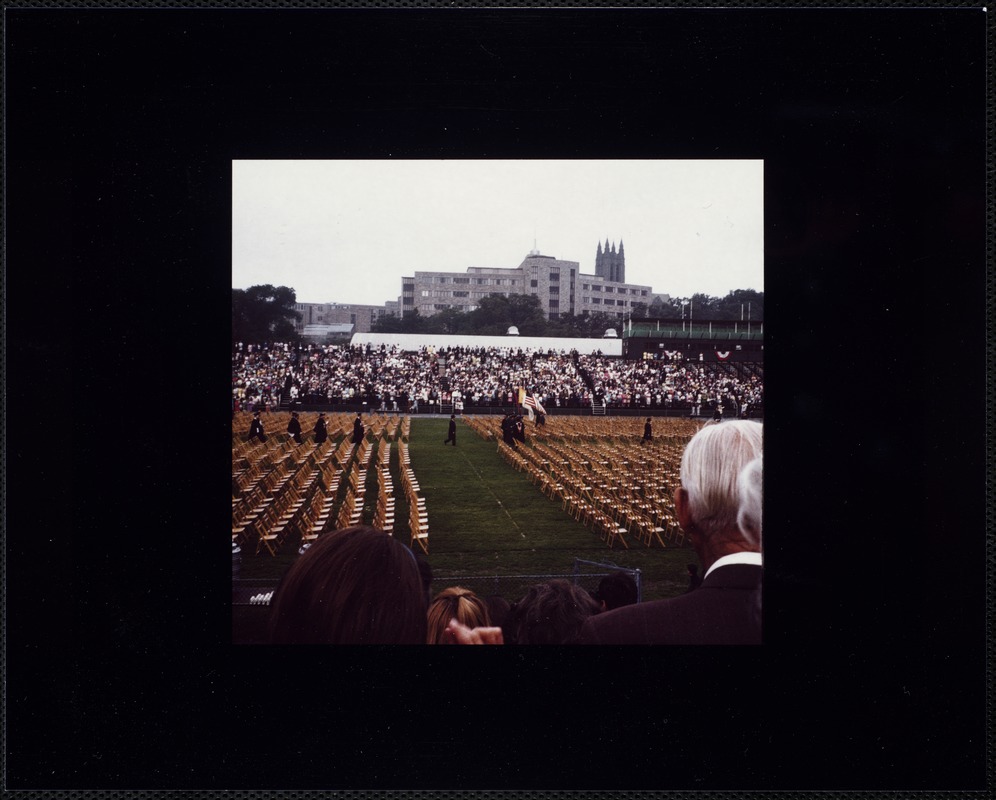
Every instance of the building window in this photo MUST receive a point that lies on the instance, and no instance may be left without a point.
(554, 276)
(609, 289)
(554, 304)
(586, 287)
(461, 280)
(407, 301)
(643, 293)
(596, 288)
(461, 294)
(596, 300)
(534, 284)
(425, 293)
(554, 290)
(440, 306)
(609, 302)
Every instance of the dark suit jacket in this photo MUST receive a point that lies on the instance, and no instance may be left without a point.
(725, 609)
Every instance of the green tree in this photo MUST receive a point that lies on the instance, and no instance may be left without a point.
(449, 320)
(639, 311)
(658, 308)
(414, 322)
(527, 314)
(387, 323)
(742, 302)
(264, 314)
(492, 317)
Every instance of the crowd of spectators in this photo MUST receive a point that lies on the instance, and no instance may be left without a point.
(674, 384)
(488, 376)
(390, 379)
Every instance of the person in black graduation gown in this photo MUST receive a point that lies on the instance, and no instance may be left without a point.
(294, 427)
(321, 432)
(519, 429)
(508, 430)
(256, 428)
(452, 433)
(648, 433)
(358, 431)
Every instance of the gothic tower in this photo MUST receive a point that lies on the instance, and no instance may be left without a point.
(610, 264)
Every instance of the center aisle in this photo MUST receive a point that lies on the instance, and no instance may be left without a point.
(485, 518)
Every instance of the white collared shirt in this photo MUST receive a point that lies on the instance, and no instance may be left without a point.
(734, 558)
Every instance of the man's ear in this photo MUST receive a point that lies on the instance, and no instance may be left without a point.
(681, 509)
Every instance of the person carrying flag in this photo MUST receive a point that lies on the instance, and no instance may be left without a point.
(531, 404)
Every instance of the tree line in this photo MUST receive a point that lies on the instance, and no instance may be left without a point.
(266, 314)
(496, 313)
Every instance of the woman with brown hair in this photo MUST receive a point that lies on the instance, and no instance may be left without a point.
(354, 586)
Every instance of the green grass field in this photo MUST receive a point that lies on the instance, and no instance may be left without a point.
(485, 518)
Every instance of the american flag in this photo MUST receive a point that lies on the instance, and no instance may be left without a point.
(530, 402)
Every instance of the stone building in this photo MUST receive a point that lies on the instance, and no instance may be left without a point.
(361, 317)
(560, 286)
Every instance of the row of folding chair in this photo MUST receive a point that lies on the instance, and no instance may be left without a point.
(351, 510)
(418, 516)
(384, 512)
(600, 494)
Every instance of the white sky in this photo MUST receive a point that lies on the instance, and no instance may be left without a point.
(347, 231)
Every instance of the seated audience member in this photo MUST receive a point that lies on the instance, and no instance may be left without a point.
(425, 571)
(498, 609)
(616, 590)
(354, 586)
(749, 515)
(455, 603)
(550, 613)
(694, 579)
(726, 608)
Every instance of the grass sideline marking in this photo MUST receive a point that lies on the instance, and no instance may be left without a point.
(487, 486)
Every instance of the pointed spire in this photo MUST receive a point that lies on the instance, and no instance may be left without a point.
(599, 248)
(620, 246)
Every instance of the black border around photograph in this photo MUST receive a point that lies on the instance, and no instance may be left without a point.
(121, 126)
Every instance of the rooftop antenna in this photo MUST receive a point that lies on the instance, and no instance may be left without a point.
(534, 251)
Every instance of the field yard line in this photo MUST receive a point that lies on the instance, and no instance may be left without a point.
(505, 510)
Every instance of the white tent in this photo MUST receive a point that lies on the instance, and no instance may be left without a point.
(437, 341)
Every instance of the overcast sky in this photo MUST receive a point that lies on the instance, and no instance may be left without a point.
(347, 231)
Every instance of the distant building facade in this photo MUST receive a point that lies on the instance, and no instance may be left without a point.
(361, 317)
(560, 286)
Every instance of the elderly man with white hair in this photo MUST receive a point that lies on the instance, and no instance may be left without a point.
(720, 513)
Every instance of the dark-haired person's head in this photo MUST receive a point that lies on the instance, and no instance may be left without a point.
(616, 590)
(354, 586)
(550, 613)
(498, 609)
(425, 572)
